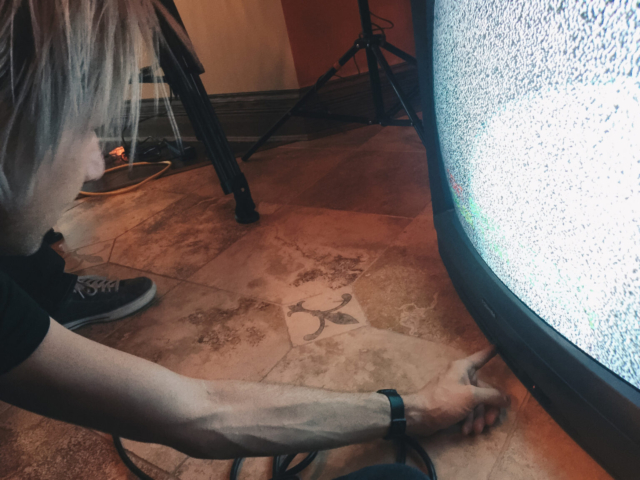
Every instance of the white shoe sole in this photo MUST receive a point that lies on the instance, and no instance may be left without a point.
(118, 313)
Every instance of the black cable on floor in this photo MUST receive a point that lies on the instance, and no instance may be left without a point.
(128, 462)
(281, 470)
(422, 453)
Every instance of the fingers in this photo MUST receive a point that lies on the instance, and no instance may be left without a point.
(491, 415)
(478, 423)
(490, 396)
(467, 426)
(478, 359)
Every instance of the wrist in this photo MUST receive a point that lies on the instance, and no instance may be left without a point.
(398, 421)
(415, 413)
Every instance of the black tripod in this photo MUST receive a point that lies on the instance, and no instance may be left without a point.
(182, 71)
(372, 43)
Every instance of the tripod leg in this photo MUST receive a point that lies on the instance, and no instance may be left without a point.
(203, 117)
(398, 106)
(292, 111)
(417, 124)
(399, 53)
(374, 75)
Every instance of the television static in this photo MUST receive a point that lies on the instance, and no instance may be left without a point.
(539, 126)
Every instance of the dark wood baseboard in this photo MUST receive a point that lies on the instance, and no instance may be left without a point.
(246, 116)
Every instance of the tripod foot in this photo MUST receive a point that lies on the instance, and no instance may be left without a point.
(245, 208)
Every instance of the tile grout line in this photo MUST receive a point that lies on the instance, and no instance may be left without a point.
(148, 272)
(507, 440)
(113, 244)
(182, 196)
(80, 248)
(293, 347)
(400, 217)
(290, 202)
(392, 244)
(280, 359)
(140, 460)
(126, 231)
(245, 233)
(173, 472)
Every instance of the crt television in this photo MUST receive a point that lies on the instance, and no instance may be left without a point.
(531, 110)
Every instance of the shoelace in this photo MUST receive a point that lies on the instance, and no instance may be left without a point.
(90, 285)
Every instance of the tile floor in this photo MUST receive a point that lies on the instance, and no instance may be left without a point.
(339, 286)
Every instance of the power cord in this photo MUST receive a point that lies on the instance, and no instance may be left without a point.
(128, 462)
(281, 470)
(376, 28)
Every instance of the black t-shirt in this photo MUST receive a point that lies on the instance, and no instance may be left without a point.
(23, 324)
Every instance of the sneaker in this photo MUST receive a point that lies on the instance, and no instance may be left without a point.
(98, 299)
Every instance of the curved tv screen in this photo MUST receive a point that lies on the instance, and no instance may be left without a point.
(538, 113)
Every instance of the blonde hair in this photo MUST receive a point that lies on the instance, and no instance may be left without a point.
(68, 67)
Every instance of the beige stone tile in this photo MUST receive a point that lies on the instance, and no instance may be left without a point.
(182, 238)
(382, 182)
(251, 469)
(280, 174)
(395, 139)
(99, 331)
(301, 252)
(99, 219)
(367, 360)
(85, 257)
(33, 447)
(363, 360)
(408, 290)
(325, 315)
(206, 333)
(162, 457)
(539, 449)
(201, 181)
(348, 139)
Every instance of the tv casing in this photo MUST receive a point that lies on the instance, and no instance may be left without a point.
(592, 404)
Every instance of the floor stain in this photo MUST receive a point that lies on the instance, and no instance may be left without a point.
(255, 336)
(411, 316)
(337, 270)
(215, 315)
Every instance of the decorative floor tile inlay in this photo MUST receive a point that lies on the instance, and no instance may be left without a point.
(324, 316)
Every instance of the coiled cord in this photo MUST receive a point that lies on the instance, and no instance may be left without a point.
(281, 470)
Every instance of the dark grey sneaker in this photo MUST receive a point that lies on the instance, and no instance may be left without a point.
(98, 299)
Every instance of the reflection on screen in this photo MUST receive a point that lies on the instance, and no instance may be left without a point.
(538, 111)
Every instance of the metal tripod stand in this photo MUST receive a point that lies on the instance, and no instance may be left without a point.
(372, 43)
(182, 71)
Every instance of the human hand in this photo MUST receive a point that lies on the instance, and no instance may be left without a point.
(456, 395)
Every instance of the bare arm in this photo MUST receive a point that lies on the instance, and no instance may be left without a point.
(76, 380)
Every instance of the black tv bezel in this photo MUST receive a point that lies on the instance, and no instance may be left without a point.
(596, 407)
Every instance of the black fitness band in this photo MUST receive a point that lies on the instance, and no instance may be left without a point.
(398, 422)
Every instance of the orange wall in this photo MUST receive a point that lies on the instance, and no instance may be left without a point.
(242, 44)
(321, 31)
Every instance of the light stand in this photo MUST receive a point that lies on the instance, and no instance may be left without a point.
(182, 71)
(372, 43)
